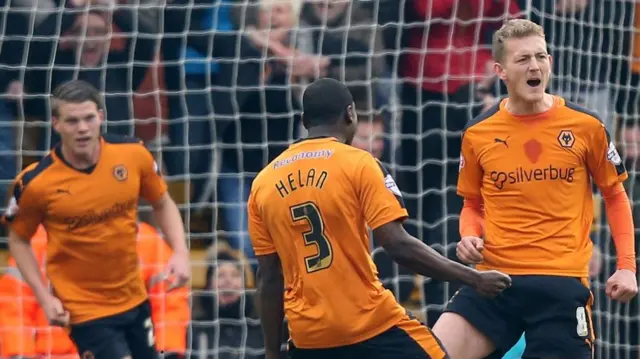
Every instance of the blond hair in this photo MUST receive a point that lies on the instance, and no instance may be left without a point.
(296, 6)
(513, 29)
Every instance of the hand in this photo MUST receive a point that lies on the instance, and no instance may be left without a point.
(595, 264)
(55, 312)
(491, 283)
(305, 65)
(179, 270)
(469, 250)
(15, 90)
(622, 285)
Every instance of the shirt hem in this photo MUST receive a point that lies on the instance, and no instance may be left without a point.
(352, 340)
(81, 319)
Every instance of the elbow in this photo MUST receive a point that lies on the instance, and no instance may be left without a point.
(162, 203)
(16, 241)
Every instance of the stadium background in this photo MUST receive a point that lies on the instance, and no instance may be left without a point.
(214, 87)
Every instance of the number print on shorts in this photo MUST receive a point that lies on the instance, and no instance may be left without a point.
(148, 325)
(583, 326)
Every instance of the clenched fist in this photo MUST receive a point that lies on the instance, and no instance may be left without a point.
(469, 250)
(491, 283)
(622, 285)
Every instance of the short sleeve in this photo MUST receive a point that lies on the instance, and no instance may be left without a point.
(260, 238)
(470, 172)
(603, 160)
(378, 194)
(25, 211)
(152, 186)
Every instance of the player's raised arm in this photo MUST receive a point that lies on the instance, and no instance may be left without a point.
(24, 214)
(608, 171)
(270, 281)
(154, 189)
(383, 209)
(469, 249)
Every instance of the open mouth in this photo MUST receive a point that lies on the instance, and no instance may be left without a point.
(83, 140)
(534, 82)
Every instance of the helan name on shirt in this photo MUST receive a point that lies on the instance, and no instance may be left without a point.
(300, 179)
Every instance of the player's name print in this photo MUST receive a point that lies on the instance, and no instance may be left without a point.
(298, 179)
(307, 155)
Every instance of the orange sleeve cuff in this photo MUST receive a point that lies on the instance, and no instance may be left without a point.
(621, 224)
(472, 218)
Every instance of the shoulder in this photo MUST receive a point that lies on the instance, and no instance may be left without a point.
(30, 176)
(132, 146)
(125, 143)
(587, 118)
(482, 119)
(121, 140)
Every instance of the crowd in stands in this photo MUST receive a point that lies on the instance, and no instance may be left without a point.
(214, 87)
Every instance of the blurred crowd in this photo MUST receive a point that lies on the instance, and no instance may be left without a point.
(214, 88)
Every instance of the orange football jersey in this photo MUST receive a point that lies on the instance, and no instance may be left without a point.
(90, 217)
(533, 174)
(312, 206)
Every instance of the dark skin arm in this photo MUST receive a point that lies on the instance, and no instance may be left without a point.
(271, 302)
(422, 259)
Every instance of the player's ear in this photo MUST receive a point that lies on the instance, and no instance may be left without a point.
(55, 123)
(499, 70)
(304, 121)
(351, 115)
(101, 115)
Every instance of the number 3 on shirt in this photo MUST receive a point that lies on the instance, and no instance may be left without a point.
(309, 212)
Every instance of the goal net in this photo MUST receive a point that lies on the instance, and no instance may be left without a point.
(214, 88)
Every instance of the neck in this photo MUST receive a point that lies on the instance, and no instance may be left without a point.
(326, 131)
(81, 161)
(518, 106)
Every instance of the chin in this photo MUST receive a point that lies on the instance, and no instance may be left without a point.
(533, 96)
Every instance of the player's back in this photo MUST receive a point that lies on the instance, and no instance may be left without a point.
(310, 200)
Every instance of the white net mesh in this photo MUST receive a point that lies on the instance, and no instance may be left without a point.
(214, 86)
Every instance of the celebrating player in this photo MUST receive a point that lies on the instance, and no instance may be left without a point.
(85, 193)
(525, 172)
(308, 216)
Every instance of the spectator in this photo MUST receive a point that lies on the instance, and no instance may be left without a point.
(8, 143)
(370, 132)
(213, 80)
(344, 31)
(85, 55)
(447, 54)
(229, 327)
(11, 91)
(269, 121)
(200, 82)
